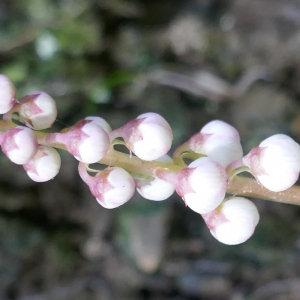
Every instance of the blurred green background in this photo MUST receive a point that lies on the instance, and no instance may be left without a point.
(191, 61)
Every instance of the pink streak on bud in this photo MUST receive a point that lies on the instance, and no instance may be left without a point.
(149, 136)
(100, 185)
(214, 219)
(183, 186)
(29, 107)
(112, 187)
(253, 159)
(31, 165)
(37, 110)
(75, 137)
(19, 144)
(219, 141)
(234, 221)
(9, 142)
(275, 163)
(44, 166)
(197, 140)
(202, 185)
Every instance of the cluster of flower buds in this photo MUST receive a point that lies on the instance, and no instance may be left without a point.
(216, 152)
(20, 144)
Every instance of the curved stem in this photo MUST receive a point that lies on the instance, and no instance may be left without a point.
(239, 185)
(236, 168)
(244, 186)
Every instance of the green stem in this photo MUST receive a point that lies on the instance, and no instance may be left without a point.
(239, 185)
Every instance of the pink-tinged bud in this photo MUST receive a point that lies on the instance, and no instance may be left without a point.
(233, 222)
(19, 144)
(156, 189)
(44, 165)
(87, 141)
(37, 111)
(8, 94)
(275, 163)
(101, 122)
(202, 185)
(219, 141)
(149, 136)
(111, 187)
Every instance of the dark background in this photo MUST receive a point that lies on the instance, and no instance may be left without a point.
(192, 61)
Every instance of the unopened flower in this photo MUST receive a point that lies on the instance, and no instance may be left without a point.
(202, 185)
(87, 141)
(7, 94)
(219, 141)
(275, 163)
(44, 165)
(37, 111)
(101, 122)
(233, 222)
(111, 187)
(149, 136)
(19, 144)
(156, 189)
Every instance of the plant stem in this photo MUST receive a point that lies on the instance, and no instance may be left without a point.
(244, 186)
(239, 185)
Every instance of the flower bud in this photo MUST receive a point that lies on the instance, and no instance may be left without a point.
(101, 122)
(8, 94)
(275, 163)
(38, 110)
(202, 185)
(149, 136)
(19, 144)
(111, 187)
(157, 189)
(87, 141)
(233, 222)
(44, 165)
(219, 141)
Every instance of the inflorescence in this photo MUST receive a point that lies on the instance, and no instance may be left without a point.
(216, 152)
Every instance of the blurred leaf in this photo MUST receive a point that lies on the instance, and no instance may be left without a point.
(143, 231)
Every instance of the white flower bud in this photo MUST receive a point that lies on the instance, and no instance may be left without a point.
(19, 144)
(38, 110)
(87, 141)
(149, 136)
(44, 165)
(275, 163)
(8, 94)
(101, 122)
(157, 189)
(233, 222)
(219, 141)
(202, 185)
(111, 187)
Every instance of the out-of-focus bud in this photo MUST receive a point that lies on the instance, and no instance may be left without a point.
(111, 187)
(101, 122)
(219, 141)
(87, 141)
(156, 189)
(233, 222)
(149, 136)
(37, 111)
(44, 165)
(202, 185)
(19, 144)
(8, 94)
(275, 163)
